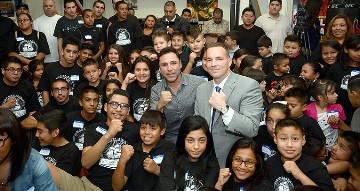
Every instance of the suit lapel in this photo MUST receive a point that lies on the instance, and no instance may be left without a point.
(208, 107)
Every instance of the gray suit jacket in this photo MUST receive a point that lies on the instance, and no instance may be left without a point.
(243, 95)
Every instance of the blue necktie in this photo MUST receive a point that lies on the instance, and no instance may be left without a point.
(217, 89)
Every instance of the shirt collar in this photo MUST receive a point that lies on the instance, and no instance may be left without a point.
(222, 84)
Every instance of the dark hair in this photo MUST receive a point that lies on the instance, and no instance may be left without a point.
(90, 62)
(288, 122)
(168, 50)
(255, 74)
(193, 33)
(152, 80)
(178, 33)
(278, 58)
(216, 44)
(10, 59)
(306, 188)
(186, 10)
(315, 66)
(332, 43)
(279, 106)
(280, 1)
(85, 11)
(192, 123)
(107, 82)
(69, 1)
(354, 83)
(88, 89)
(313, 145)
(52, 120)
(264, 41)
(240, 52)
(20, 146)
(259, 174)
(221, 38)
(160, 33)
(320, 88)
(99, 1)
(72, 41)
(248, 9)
(298, 93)
(32, 67)
(352, 138)
(118, 92)
(234, 35)
(60, 80)
(218, 11)
(87, 46)
(352, 42)
(153, 118)
(122, 59)
(153, 16)
(293, 38)
(295, 81)
(28, 15)
(117, 4)
(248, 61)
(148, 49)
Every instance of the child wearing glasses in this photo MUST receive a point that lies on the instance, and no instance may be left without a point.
(244, 169)
(291, 167)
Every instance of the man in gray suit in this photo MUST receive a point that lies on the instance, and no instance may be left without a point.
(230, 103)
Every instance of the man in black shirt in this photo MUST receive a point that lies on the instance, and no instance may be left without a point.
(7, 27)
(16, 94)
(100, 21)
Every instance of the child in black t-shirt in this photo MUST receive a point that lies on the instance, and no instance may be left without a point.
(142, 162)
(292, 46)
(281, 66)
(55, 148)
(36, 69)
(178, 42)
(91, 34)
(196, 42)
(264, 45)
(86, 51)
(290, 167)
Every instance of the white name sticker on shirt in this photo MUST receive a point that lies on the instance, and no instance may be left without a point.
(32, 188)
(88, 37)
(355, 72)
(80, 22)
(45, 152)
(333, 113)
(20, 39)
(74, 77)
(101, 130)
(158, 159)
(99, 25)
(78, 124)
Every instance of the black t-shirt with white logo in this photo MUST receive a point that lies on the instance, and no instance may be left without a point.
(100, 174)
(68, 27)
(25, 95)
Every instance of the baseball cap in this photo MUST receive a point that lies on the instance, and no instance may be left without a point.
(22, 5)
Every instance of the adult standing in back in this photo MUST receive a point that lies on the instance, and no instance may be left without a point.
(171, 21)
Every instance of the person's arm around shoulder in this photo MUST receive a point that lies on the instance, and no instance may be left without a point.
(119, 179)
(91, 154)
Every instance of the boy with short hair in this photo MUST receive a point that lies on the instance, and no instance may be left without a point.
(91, 34)
(264, 45)
(196, 42)
(86, 51)
(273, 80)
(78, 121)
(232, 42)
(141, 163)
(292, 48)
(160, 40)
(55, 148)
(354, 97)
(178, 42)
(290, 167)
(297, 100)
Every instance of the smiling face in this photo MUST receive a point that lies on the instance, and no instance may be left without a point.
(218, 63)
(241, 171)
(170, 67)
(289, 141)
(196, 45)
(177, 42)
(150, 22)
(195, 144)
(308, 73)
(142, 72)
(113, 55)
(339, 28)
(248, 18)
(329, 55)
(44, 135)
(150, 135)
(117, 113)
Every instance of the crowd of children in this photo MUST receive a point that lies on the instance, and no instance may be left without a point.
(97, 131)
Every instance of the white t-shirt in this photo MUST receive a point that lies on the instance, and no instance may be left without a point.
(47, 25)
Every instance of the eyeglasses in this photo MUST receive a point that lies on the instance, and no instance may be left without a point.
(115, 105)
(62, 89)
(248, 163)
(2, 141)
(23, 21)
(12, 70)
